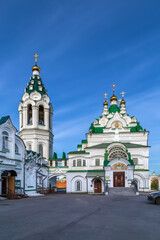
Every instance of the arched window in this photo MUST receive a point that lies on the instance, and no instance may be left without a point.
(41, 115)
(78, 186)
(16, 149)
(74, 163)
(5, 140)
(30, 147)
(84, 163)
(29, 110)
(41, 149)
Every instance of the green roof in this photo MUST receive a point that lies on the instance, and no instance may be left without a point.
(79, 146)
(96, 129)
(114, 108)
(4, 119)
(36, 84)
(84, 141)
(137, 128)
(127, 145)
(78, 152)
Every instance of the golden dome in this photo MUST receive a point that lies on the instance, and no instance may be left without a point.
(123, 102)
(36, 68)
(113, 98)
(105, 103)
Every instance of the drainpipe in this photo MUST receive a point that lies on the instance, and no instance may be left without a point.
(24, 177)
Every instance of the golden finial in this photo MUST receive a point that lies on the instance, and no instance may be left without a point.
(114, 85)
(122, 93)
(36, 56)
(105, 95)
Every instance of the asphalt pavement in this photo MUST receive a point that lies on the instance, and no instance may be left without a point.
(80, 217)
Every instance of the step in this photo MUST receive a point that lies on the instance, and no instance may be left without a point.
(122, 191)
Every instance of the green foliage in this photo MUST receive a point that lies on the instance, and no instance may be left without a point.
(155, 184)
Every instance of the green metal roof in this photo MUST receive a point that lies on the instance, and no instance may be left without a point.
(78, 152)
(4, 119)
(127, 145)
(114, 108)
(37, 85)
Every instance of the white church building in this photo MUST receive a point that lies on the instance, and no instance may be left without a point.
(114, 154)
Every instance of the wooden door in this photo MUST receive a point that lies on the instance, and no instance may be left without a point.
(119, 179)
(4, 185)
(11, 184)
(97, 186)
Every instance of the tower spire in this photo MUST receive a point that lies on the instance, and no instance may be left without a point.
(122, 104)
(113, 99)
(35, 69)
(105, 104)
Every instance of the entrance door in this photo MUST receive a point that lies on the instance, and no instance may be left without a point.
(97, 186)
(4, 185)
(119, 179)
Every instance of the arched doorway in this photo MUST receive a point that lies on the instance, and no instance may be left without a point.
(97, 186)
(8, 182)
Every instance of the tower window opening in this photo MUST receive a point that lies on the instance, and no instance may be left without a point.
(29, 114)
(41, 115)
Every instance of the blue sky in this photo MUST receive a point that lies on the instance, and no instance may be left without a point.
(84, 47)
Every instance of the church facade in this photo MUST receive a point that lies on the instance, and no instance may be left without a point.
(114, 154)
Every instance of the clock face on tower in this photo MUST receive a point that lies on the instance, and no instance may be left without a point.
(116, 125)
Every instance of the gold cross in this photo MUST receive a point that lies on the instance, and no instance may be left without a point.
(35, 56)
(114, 85)
(120, 100)
(123, 94)
(105, 95)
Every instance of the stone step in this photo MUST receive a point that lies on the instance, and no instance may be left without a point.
(122, 191)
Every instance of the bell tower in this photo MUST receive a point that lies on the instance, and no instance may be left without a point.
(35, 116)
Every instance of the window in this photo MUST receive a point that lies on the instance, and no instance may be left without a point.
(84, 163)
(97, 162)
(78, 162)
(5, 140)
(29, 110)
(41, 149)
(59, 163)
(41, 115)
(30, 147)
(78, 185)
(65, 163)
(56, 163)
(74, 163)
(16, 149)
(51, 163)
(135, 160)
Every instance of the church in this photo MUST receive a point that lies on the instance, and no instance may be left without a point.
(114, 154)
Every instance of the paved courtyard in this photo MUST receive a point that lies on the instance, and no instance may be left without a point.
(62, 216)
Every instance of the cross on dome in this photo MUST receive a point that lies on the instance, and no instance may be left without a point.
(36, 56)
(122, 93)
(113, 85)
(105, 95)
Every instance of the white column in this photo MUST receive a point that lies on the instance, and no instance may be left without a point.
(46, 118)
(24, 117)
(20, 119)
(35, 116)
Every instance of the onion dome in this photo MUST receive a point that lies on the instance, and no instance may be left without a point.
(113, 98)
(122, 102)
(36, 68)
(105, 103)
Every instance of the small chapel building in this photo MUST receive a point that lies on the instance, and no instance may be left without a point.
(114, 154)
